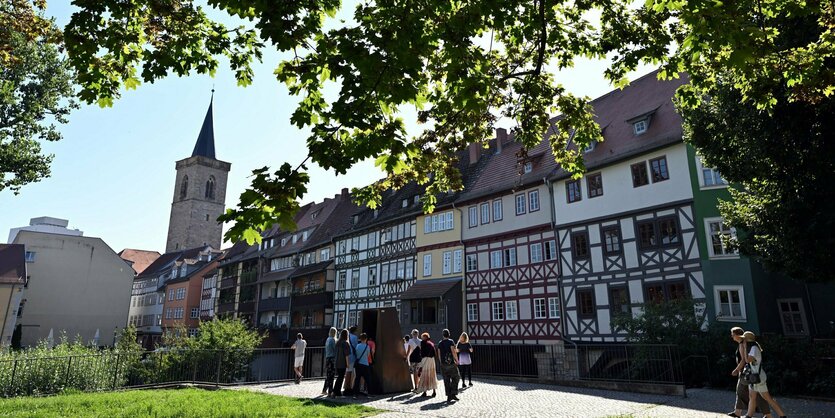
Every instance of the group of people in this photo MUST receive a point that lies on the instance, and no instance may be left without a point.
(348, 360)
(455, 359)
(751, 396)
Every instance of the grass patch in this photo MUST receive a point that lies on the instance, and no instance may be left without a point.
(179, 403)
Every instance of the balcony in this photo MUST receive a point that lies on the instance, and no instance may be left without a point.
(228, 282)
(274, 304)
(225, 307)
(249, 276)
(246, 306)
(318, 299)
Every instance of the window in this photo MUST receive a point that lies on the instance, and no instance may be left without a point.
(520, 204)
(284, 242)
(716, 230)
(416, 199)
(659, 292)
(447, 262)
(730, 303)
(472, 262)
(296, 238)
(510, 310)
(580, 245)
(427, 265)
(495, 259)
(573, 191)
(498, 311)
(210, 188)
(510, 257)
(340, 320)
(352, 318)
(611, 240)
(554, 308)
(372, 275)
(550, 250)
(404, 203)
(533, 200)
(171, 294)
(659, 232)
(590, 147)
(340, 284)
(539, 308)
(169, 313)
(528, 167)
(619, 300)
(192, 332)
(355, 279)
(793, 316)
(595, 184)
(472, 312)
(473, 216)
(639, 127)
(497, 210)
(325, 254)
(181, 293)
(536, 253)
(659, 169)
(485, 213)
(30, 256)
(195, 313)
(304, 235)
(184, 188)
(585, 303)
(456, 260)
(639, 174)
(424, 311)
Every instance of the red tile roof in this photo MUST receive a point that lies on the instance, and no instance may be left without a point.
(140, 259)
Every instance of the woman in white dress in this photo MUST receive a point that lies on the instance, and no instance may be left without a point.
(755, 359)
(428, 375)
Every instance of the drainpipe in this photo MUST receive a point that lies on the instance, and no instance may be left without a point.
(463, 271)
(550, 188)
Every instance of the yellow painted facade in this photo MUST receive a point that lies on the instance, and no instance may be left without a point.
(441, 230)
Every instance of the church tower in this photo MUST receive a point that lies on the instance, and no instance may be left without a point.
(199, 194)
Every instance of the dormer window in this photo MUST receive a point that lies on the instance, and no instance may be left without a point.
(405, 203)
(304, 236)
(295, 238)
(590, 147)
(376, 213)
(355, 220)
(417, 199)
(528, 167)
(639, 127)
(283, 242)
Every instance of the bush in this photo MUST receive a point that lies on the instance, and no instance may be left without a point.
(793, 366)
(67, 366)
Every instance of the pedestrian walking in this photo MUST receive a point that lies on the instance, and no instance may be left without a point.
(741, 404)
(330, 362)
(362, 369)
(343, 350)
(413, 357)
(349, 372)
(755, 361)
(449, 366)
(426, 369)
(298, 364)
(465, 359)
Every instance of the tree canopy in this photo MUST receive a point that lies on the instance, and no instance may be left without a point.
(36, 89)
(462, 65)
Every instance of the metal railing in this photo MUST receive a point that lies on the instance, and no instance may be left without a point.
(638, 363)
(111, 370)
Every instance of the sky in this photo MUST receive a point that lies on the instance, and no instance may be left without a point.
(113, 172)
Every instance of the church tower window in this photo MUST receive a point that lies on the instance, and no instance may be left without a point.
(184, 188)
(210, 188)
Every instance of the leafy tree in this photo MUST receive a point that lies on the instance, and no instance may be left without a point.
(35, 92)
(462, 65)
(782, 160)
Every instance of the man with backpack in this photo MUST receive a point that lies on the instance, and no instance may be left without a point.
(449, 366)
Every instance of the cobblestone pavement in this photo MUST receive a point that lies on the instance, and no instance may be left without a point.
(492, 398)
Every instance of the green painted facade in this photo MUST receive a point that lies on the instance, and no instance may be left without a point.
(762, 290)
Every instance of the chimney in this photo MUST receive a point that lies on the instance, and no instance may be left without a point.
(475, 152)
(501, 138)
(344, 192)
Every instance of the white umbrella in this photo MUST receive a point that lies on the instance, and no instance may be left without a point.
(50, 339)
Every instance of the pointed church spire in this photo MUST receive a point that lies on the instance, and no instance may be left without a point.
(205, 145)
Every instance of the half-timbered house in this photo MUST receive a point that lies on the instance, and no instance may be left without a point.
(626, 232)
(511, 281)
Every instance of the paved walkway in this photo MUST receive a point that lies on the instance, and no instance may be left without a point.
(512, 399)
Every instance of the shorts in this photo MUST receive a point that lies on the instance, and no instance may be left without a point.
(299, 361)
(413, 367)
